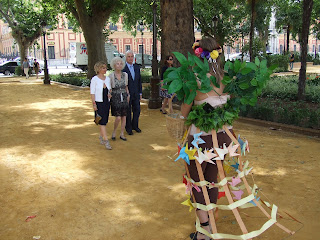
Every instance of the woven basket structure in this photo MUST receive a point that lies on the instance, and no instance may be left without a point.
(175, 125)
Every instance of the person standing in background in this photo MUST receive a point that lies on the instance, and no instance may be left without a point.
(135, 91)
(167, 98)
(291, 60)
(25, 67)
(36, 67)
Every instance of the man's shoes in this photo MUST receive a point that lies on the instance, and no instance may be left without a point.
(130, 133)
(138, 130)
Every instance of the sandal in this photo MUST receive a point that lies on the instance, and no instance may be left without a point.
(101, 140)
(194, 235)
(163, 111)
(107, 145)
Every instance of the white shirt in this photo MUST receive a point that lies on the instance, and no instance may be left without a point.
(96, 87)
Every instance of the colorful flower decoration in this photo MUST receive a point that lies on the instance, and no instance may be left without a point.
(214, 54)
(198, 51)
(196, 44)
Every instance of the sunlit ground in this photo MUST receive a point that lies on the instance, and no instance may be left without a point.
(53, 167)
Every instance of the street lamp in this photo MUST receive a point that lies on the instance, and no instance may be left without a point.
(46, 79)
(284, 39)
(141, 30)
(154, 100)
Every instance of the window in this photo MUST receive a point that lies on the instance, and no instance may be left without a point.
(69, 25)
(294, 48)
(128, 47)
(237, 49)
(51, 54)
(228, 50)
(313, 48)
(281, 48)
(112, 26)
(140, 48)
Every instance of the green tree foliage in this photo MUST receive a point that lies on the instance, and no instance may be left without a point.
(263, 16)
(92, 17)
(232, 19)
(288, 14)
(134, 11)
(315, 19)
(26, 18)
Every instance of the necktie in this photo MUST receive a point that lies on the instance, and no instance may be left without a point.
(132, 71)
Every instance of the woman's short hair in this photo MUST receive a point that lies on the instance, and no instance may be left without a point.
(114, 61)
(98, 66)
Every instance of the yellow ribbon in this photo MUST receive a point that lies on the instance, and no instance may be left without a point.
(249, 235)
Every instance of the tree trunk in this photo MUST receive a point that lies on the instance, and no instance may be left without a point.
(253, 3)
(92, 24)
(177, 27)
(23, 51)
(264, 36)
(307, 9)
(95, 41)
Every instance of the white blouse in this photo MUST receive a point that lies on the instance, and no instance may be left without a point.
(96, 87)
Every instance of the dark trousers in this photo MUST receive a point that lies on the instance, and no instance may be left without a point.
(133, 114)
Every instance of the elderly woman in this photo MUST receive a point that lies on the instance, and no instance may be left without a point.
(120, 96)
(100, 99)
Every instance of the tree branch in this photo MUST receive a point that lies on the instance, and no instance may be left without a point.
(6, 16)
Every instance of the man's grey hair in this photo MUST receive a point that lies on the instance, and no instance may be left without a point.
(114, 61)
(128, 52)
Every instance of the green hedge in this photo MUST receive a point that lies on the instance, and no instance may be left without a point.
(286, 87)
(19, 72)
(294, 113)
(282, 61)
(77, 79)
(146, 92)
(146, 74)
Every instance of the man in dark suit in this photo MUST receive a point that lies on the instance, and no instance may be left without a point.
(135, 90)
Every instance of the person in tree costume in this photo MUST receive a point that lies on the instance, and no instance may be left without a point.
(212, 96)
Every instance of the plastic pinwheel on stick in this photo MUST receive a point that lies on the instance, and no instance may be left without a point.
(245, 82)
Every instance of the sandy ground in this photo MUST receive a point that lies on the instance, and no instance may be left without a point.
(53, 167)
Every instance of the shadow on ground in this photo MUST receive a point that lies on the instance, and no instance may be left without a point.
(53, 166)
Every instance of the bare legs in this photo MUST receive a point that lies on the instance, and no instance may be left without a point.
(103, 132)
(203, 217)
(116, 124)
(167, 101)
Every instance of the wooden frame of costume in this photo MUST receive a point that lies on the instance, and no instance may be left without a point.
(249, 201)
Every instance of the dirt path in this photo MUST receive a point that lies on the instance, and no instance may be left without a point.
(52, 166)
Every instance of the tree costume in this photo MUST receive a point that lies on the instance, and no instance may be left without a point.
(209, 147)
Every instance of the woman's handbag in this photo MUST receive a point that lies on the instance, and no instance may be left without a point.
(97, 117)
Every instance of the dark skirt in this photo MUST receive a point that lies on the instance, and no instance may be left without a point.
(104, 108)
(119, 105)
(210, 171)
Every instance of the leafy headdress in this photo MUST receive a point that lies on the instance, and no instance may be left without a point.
(243, 81)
